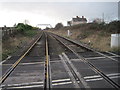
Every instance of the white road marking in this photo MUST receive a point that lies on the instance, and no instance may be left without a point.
(113, 74)
(26, 86)
(26, 63)
(5, 59)
(34, 84)
(55, 84)
(101, 78)
(59, 80)
(92, 58)
(95, 76)
(2, 61)
(98, 77)
(115, 77)
(30, 63)
(113, 53)
(94, 79)
(62, 83)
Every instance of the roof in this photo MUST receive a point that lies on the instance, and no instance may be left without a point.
(77, 19)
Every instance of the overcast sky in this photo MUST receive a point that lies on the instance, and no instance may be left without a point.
(54, 12)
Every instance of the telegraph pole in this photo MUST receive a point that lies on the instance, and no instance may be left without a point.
(119, 10)
(26, 21)
(103, 17)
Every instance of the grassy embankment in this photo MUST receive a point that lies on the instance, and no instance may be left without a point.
(99, 35)
(16, 42)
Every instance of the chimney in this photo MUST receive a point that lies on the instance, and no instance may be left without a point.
(77, 17)
(82, 16)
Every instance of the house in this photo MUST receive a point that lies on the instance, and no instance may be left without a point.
(76, 21)
(98, 20)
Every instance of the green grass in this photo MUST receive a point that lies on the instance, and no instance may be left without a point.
(6, 53)
(98, 34)
(16, 42)
(24, 35)
(115, 49)
(30, 33)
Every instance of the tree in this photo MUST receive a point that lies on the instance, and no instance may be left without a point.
(28, 27)
(58, 25)
(47, 28)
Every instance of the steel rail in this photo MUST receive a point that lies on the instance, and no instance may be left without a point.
(3, 78)
(47, 77)
(115, 85)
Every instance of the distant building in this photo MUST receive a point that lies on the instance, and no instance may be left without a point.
(76, 21)
(98, 20)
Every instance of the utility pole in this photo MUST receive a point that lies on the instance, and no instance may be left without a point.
(26, 21)
(119, 10)
(103, 17)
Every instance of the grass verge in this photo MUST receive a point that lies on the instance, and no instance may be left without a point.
(12, 44)
(98, 36)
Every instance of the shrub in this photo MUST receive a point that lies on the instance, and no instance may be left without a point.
(115, 49)
(26, 29)
(30, 33)
(113, 27)
(23, 27)
(20, 27)
(58, 26)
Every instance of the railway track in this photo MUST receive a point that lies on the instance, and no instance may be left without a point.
(17, 62)
(92, 66)
(57, 62)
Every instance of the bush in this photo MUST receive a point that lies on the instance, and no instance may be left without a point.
(113, 27)
(30, 33)
(26, 29)
(115, 49)
(23, 27)
(96, 26)
(58, 26)
(20, 27)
